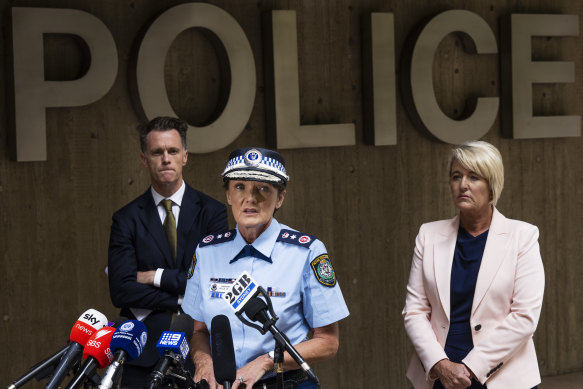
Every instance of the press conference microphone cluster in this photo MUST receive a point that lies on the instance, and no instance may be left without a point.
(127, 343)
(87, 324)
(97, 354)
(174, 348)
(99, 345)
(242, 296)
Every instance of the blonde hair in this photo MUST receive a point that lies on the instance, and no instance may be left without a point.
(483, 159)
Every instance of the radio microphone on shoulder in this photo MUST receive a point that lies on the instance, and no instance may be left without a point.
(87, 324)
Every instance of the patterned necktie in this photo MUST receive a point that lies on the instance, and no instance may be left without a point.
(170, 227)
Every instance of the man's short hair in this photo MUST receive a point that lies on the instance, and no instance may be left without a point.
(163, 123)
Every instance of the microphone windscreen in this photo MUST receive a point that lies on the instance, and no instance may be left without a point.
(131, 337)
(183, 323)
(90, 321)
(254, 308)
(222, 350)
(98, 347)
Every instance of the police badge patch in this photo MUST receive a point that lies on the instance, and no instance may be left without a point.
(191, 270)
(324, 271)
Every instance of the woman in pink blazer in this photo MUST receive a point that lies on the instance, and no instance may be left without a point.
(476, 286)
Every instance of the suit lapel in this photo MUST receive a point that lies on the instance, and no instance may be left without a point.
(151, 220)
(442, 262)
(189, 210)
(494, 253)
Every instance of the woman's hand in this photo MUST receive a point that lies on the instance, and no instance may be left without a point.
(201, 355)
(205, 371)
(253, 371)
(452, 375)
(322, 345)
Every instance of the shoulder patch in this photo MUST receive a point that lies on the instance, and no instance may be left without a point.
(324, 271)
(295, 237)
(218, 238)
(191, 269)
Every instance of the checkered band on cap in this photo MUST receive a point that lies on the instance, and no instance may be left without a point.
(256, 164)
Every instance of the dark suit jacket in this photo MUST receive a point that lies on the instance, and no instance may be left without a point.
(138, 243)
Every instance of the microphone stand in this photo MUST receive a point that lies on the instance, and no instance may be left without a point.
(176, 372)
(280, 337)
(278, 364)
(184, 375)
(41, 370)
(92, 381)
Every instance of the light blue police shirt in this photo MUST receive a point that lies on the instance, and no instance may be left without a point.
(299, 279)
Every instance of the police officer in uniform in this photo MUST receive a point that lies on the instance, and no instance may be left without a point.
(292, 266)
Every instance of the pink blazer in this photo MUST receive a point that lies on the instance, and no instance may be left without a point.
(505, 310)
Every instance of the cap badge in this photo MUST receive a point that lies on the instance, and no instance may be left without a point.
(253, 157)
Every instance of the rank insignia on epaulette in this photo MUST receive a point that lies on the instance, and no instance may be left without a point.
(295, 237)
(324, 271)
(218, 238)
(191, 270)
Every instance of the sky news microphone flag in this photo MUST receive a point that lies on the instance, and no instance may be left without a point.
(89, 322)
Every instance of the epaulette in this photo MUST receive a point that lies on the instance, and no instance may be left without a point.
(295, 237)
(218, 238)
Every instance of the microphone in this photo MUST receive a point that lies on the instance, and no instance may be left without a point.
(45, 368)
(97, 354)
(173, 347)
(127, 343)
(242, 297)
(41, 369)
(222, 351)
(256, 310)
(90, 321)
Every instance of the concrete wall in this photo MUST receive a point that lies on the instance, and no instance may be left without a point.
(365, 202)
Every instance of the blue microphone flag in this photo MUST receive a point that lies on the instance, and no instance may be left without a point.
(175, 342)
(131, 337)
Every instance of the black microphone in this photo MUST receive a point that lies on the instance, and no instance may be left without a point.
(222, 351)
(41, 369)
(256, 310)
(89, 322)
(173, 347)
(242, 297)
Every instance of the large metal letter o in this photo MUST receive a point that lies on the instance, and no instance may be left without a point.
(150, 72)
(433, 118)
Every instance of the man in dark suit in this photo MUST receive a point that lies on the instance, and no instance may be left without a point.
(147, 264)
